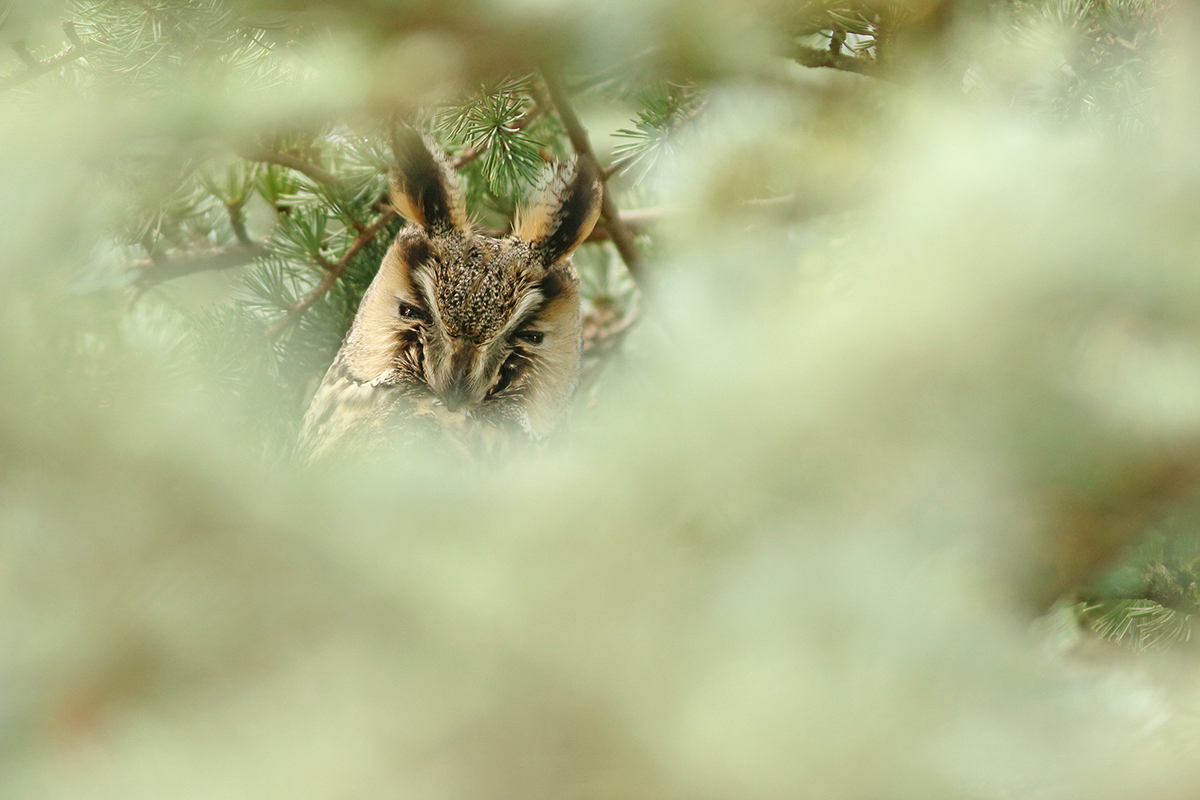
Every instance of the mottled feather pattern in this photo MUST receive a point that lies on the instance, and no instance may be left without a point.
(540, 218)
(465, 338)
(565, 208)
(424, 189)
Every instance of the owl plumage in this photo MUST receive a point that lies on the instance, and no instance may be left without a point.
(461, 336)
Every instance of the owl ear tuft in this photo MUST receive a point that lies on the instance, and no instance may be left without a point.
(563, 210)
(424, 189)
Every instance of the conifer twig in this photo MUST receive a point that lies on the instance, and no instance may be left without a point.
(636, 221)
(23, 53)
(237, 221)
(156, 269)
(318, 174)
(600, 338)
(610, 217)
(475, 151)
(616, 167)
(1087, 534)
(69, 29)
(833, 59)
(1174, 598)
(333, 272)
(35, 68)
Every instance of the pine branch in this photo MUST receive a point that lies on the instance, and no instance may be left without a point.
(617, 167)
(1170, 585)
(333, 272)
(466, 157)
(834, 59)
(1167, 599)
(636, 221)
(157, 269)
(318, 174)
(610, 217)
(1091, 533)
(237, 221)
(37, 68)
(23, 53)
(475, 151)
(602, 334)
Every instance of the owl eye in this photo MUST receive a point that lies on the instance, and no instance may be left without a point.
(412, 312)
(532, 337)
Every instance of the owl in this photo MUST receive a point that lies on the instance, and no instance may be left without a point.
(461, 336)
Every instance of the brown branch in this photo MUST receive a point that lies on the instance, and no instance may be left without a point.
(23, 53)
(1088, 533)
(610, 217)
(69, 29)
(325, 263)
(38, 68)
(836, 40)
(466, 156)
(332, 272)
(237, 221)
(157, 269)
(616, 167)
(816, 57)
(603, 332)
(318, 174)
(636, 221)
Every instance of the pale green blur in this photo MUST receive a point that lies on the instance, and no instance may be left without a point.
(792, 548)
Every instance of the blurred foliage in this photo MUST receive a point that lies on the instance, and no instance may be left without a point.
(912, 360)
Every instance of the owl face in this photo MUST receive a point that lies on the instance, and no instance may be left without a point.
(481, 326)
(472, 329)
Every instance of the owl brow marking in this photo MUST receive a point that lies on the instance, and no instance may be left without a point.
(551, 287)
(525, 310)
(423, 284)
(416, 252)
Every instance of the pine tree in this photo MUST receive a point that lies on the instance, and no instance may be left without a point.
(303, 216)
(822, 404)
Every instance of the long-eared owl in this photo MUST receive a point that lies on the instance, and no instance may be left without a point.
(461, 336)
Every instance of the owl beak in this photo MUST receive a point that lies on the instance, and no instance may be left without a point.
(454, 397)
(458, 391)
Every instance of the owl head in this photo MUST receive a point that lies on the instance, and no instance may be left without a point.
(483, 327)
